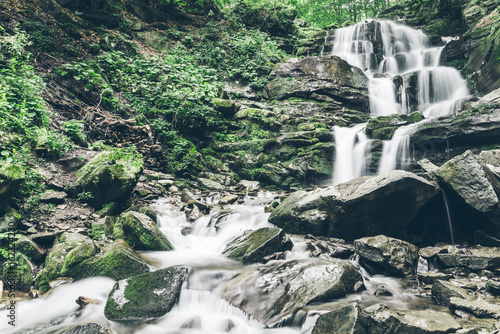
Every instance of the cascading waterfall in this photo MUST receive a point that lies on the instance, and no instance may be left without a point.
(387, 53)
(351, 145)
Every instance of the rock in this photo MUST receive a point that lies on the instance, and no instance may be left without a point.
(333, 211)
(247, 187)
(493, 287)
(484, 239)
(469, 179)
(479, 308)
(27, 246)
(109, 176)
(226, 107)
(83, 301)
(229, 199)
(20, 272)
(392, 254)
(475, 127)
(33, 294)
(276, 289)
(53, 197)
(383, 127)
(211, 185)
(145, 296)
(60, 281)
(379, 318)
(340, 321)
(476, 258)
(75, 256)
(431, 277)
(329, 76)
(71, 164)
(187, 196)
(44, 239)
(11, 179)
(141, 232)
(90, 327)
(427, 165)
(10, 220)
(254, 246)
(444, 291)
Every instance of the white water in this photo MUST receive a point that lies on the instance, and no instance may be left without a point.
(406, 53)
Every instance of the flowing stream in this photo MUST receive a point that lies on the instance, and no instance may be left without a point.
(200, 308)
(404, 76)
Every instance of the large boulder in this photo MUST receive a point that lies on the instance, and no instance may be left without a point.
(472, 185)
(397, 256)
(108, 176)
(479, 308)
(146, 296)
(276, 289)
(74, 255)
(9, 220)
(328, 76)
(389, 203)
(141, 232)
(478, 126)
(341, 321)
(254, 246)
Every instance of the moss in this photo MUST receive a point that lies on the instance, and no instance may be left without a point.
(24, 271)
(141, 232)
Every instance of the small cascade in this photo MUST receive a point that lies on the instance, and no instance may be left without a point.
(387, 53)
(350, 152)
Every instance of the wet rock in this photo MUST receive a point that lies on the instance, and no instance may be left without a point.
(83, 301)
(145, 296)
(60, 281)
(330, 76)
(248, 187)
(431, 277)
(479, 308)
(33, 294)
(84, 328)
(276, 289)
(469, 179)
(340, 321)
(187, 196)
(444, 291)
(141, 232)
(379, 318)
(71, 164)
(229, 199)
(109, 176)
(116, 260)
(476, 258)
(383, 127)
(493, 287)
(254, 246)
(390, 203)
(395, 255)
(478, 126)
(27, 246)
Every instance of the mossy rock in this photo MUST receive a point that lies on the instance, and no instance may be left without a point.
(9, 220)
(145, 296)
(21, 274)
(109, 176)
(254, 246)
(27, 246)
(141, 232)
(383, 127)
(225, 107)
(116, 261)
(11, 178)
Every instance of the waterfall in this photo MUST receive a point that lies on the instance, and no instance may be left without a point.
(350, 152)
(404, 54)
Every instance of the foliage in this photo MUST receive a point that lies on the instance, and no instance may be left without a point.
(75, 130)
